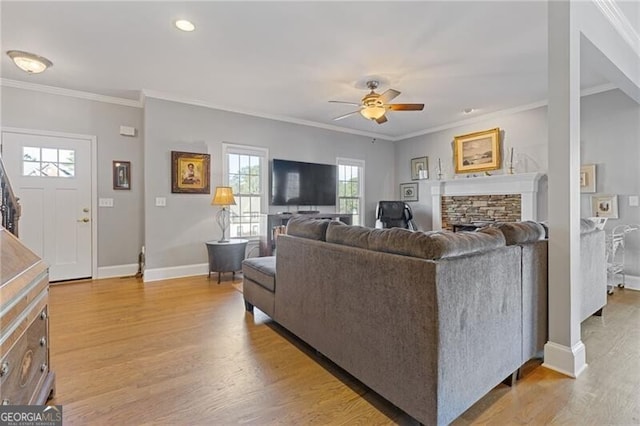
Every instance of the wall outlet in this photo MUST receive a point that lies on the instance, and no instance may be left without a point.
(633, 201)
(105, 202)
(161, 202)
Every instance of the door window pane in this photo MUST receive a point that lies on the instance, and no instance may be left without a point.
(49, 162)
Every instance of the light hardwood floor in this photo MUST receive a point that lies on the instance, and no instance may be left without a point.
(185, 352)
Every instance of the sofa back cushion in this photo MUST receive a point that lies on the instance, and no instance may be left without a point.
(522, 232)
(434, 244)
(309, 228)
(353, 236)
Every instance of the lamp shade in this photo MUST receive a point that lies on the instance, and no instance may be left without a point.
(223, 197)
(372, 112)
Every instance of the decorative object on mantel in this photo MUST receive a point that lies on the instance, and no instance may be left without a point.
(511, 164)
(223, 197)
(477, 152)
(121, 175)
(588, 178)
(439, 169)
(190, 173)
(604, 205)
(420, 168)
(409, 191)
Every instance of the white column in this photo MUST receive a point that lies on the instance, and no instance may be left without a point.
(564, 352)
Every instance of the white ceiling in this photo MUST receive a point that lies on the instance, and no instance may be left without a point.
(287, 59)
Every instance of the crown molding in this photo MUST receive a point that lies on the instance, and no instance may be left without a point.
(170, 97)
(496, 114)
(619, 21)
(4, 82)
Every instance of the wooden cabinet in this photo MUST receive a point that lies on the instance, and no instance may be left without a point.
(268, 242)
(25, 373)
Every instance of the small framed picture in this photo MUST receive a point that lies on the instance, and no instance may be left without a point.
(420, 168)
(588, 178)
(409, 191)
(604, 205)
(190, 173)
(477, 152)
(122, 175)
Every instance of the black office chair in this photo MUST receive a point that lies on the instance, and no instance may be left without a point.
(394, 214)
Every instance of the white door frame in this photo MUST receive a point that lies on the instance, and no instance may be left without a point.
(94, 181)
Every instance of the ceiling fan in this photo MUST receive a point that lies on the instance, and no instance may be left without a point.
(374, 106)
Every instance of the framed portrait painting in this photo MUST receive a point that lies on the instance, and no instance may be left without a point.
(121, 175)
(420, 168)
(190, 173)
(604, 205)
(477, 152)
(409, 191)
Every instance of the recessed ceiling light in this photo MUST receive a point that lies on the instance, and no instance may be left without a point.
(29, 62)
(468, 110)
(185, 25)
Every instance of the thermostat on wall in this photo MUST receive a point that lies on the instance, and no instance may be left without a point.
(127, 131)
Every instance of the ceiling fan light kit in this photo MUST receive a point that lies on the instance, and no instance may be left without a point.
(374, 106)
(29, 62)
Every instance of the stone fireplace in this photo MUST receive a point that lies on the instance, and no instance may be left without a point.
(488, 198)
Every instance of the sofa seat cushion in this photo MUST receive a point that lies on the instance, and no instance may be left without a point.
(261, 270)
(304, 227)
(522, 232)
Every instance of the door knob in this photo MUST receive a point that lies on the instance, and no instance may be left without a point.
(84, 219)
(86, 210)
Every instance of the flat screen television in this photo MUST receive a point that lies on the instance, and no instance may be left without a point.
(294, 183)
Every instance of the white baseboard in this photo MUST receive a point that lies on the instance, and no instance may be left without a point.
(632, 282)
(570, 361)
(157, 274)
(117, 271)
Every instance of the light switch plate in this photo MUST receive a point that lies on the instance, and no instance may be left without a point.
(633, 200)
(105, 202)
(161, 202)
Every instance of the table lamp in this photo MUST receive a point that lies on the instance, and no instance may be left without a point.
(223, 197)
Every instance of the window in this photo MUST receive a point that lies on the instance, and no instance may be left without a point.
(246, 173)
(48, 162)
(351, 188)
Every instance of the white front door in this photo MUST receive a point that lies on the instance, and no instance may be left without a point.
(51, 176)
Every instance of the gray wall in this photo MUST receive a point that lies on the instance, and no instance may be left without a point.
(610, 133)
(120, 229)
(610, 139)
(175, 234)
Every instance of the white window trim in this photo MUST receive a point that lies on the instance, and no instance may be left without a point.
(342, 161)
(228, 148)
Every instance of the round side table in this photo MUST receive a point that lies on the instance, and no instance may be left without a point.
(226, 257)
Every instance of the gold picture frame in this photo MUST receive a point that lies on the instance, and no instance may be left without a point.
(477, 152)
(190, 173)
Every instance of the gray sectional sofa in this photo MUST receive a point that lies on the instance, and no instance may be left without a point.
(430, 321)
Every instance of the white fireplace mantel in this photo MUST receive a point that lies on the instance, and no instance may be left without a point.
(525, 184)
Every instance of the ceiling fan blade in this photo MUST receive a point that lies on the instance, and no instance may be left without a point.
(345, 102)
(346, 115)
(388, 95)
(381, 120)
(405, 107)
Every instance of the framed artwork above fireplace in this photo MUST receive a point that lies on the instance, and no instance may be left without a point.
(477, 152)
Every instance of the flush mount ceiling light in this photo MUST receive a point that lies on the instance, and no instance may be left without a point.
(468, 110)
(29, 62)
(184, 25)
